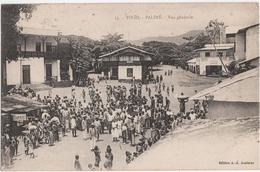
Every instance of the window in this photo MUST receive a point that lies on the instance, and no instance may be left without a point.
(207, 54)
(220, 54)
(38, 46)
(129, 72)
(48, 47)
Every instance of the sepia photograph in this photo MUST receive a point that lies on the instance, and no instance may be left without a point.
(143, 86)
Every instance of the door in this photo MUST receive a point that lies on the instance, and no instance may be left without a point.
(213, 70)
(48, 72)
(114, 73)
(26, 74)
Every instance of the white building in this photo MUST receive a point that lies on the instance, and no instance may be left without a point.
(38, 60)
(247, 45)
(209, 62)
(126, 63)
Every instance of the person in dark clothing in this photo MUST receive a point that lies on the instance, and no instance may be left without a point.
(77, 165)
(97, 156)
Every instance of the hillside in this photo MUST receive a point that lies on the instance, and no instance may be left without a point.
(174, 39)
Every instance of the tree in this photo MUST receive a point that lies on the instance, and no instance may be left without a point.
(10, 15)
(81, 57)
(213, 30)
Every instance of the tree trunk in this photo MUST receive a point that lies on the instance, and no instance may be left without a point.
(3, 77)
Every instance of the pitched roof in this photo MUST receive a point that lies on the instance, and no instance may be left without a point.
(240, 88)
(246, 28)
(124, 48)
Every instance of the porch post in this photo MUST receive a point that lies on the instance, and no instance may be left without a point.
(70, 73)
(58, 70)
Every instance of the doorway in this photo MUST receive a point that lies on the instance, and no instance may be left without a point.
(114, 73)
(48, 71)
(26, 74)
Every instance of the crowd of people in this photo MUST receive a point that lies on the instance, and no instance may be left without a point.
(128, 115)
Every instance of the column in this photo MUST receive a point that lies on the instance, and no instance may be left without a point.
(58, 70)
(70, 73)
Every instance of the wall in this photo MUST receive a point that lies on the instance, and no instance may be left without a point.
(252, 43)
(213, 60)
(14, 70)
(239, 46)
(137, 72)
(55, 68)
(220, 109)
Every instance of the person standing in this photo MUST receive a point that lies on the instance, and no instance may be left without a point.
(7, 155)
(92, 136)
(182, 99)
(97, 156)
(109, 158)
(84, 127)
(124, 133)
(73, 126)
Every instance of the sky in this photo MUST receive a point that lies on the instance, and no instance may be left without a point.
(137, 21)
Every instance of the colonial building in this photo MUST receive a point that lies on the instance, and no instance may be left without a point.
(126, 64)
(247, 45)
(38, 60)
(209, 62)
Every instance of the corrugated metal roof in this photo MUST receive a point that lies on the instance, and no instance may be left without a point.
(240, 88)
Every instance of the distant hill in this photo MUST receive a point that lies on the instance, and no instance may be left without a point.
(174, 39)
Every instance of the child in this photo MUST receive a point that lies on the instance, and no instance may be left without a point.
(77, 165)
(97, 156)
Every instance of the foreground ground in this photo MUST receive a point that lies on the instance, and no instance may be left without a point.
(61, 156)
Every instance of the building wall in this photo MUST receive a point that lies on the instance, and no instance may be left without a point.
(251, 49)
(240, 50)
(55, 68)
(252, 43)
(137, 72)
(14, 70)
(220, 109)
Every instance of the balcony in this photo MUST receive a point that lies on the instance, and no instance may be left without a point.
(51, 54)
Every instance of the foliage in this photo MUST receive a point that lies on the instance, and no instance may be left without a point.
(213, 31)
(10, 15)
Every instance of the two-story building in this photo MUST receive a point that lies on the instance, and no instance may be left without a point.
(209, 62)
(247, 45)
(38, 59)
(126, 64)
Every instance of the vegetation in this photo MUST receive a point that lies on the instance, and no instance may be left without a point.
(10, 15)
